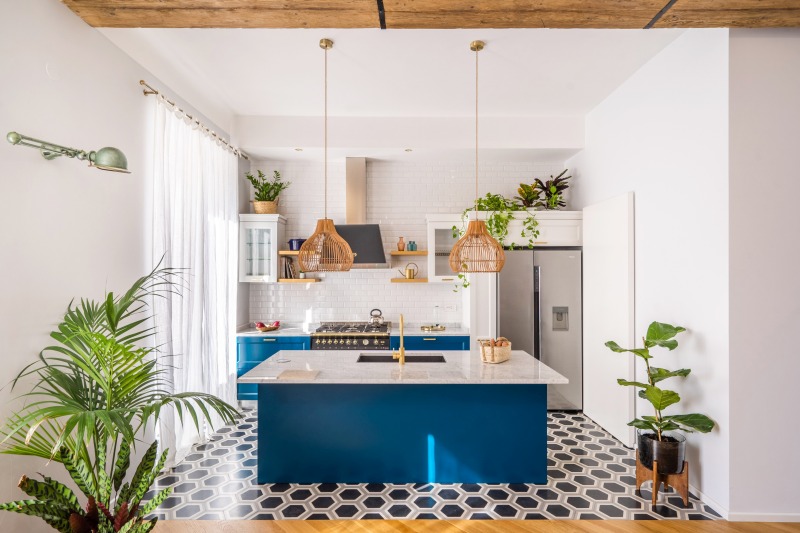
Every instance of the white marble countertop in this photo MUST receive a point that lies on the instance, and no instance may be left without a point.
(462, 367)
(292, 330)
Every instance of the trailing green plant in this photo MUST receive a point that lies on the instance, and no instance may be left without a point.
(501, 212)
(660, 334)
(93, 392)
(267, 190)
(553, 191)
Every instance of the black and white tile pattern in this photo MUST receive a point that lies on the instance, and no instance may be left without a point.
(590, 476)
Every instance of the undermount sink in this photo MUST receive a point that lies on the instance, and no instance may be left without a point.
(427, 357)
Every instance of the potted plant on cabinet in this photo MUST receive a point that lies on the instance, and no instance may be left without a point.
(93, 395)
(266, 191)
(658, 436)
(552, 189)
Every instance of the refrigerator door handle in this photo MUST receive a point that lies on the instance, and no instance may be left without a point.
(537, 309)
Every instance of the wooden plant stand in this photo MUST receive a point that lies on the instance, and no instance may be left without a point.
(680, 482)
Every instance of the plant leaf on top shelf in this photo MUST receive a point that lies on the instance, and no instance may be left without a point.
(660, 334)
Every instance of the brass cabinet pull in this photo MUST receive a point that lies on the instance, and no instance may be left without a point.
(429, 338)
(269, 340)
(448, 279)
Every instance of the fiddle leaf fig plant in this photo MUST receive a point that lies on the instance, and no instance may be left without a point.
(94, 392)
(661, 335)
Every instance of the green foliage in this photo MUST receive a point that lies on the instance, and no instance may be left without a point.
(267, 190)
(528, 195)
(661, 335)
(552, 189)
(93, 392)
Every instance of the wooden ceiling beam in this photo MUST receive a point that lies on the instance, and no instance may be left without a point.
(435, 14)
(732, 14)
(227, 13)
(441, 14)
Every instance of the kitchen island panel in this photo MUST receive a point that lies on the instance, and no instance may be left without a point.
(417, 433)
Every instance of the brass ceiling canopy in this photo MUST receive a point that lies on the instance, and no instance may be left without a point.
(477, 250)
(325, 250)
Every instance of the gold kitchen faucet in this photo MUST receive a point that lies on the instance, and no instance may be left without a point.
(401, 353)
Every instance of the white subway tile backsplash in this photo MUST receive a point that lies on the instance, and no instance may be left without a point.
(399, 195)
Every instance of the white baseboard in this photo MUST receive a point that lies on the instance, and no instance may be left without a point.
(722, 511)
(764, 517)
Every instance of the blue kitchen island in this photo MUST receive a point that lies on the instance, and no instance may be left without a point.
(324, 417)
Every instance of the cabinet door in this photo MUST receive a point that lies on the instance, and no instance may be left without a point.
(252, 351)
(260, 237)
(440, 243)
(433, 342)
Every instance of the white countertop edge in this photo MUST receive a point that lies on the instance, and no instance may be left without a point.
(462, 367)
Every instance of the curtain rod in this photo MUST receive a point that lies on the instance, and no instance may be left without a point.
(148, 90)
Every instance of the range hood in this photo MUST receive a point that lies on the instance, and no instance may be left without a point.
(364, 239)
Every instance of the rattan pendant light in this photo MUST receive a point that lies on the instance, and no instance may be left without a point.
(325, 250)
(477, 250)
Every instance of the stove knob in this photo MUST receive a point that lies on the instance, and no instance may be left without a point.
(348, 342)
(365, 342)
(334, 341)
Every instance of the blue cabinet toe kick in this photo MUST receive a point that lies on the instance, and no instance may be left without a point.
(315, 433)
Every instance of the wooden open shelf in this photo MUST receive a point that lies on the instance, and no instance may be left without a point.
(288, 252)
(404, 280)
(298, 280)
(406, 252)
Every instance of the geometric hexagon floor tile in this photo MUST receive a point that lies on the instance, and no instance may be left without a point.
(590, 476)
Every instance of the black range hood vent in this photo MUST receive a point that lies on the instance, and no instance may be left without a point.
(366, 242)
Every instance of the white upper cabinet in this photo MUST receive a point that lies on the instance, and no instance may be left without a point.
(260, 238)
(440, 242)
(556, 228)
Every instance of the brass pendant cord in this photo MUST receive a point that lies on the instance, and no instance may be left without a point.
(325, 149)
(477, 49)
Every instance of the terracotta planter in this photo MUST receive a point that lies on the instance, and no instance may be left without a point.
(669, 452)
(265, 208)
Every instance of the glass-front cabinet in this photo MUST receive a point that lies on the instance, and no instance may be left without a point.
(260, 238)
(440, 242)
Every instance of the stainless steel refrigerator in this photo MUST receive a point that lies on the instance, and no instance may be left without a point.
(539, 311)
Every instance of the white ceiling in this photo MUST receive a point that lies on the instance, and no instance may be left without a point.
(394, 73)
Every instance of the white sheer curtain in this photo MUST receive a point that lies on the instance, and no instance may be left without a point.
(194, 227)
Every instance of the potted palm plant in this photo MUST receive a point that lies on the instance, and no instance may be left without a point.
(658, 435)
(94, 392)
(266, 191)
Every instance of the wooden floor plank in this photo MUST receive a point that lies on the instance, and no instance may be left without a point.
(471, 526)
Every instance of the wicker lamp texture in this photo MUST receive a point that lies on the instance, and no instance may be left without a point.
(325, 250)
(477, 251)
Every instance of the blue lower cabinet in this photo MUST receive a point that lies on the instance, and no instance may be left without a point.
(432, 342)
(253, 350)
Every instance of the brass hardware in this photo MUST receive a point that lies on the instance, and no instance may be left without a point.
(433, 327)
(477, 46)
(269, 340)
(448, 279)
(325, 44)
(429, 338)
(401, 353)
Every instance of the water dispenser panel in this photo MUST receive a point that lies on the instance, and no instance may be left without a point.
(560, 318)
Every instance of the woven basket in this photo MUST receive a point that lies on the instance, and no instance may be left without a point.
(265, 208)
(490, 353)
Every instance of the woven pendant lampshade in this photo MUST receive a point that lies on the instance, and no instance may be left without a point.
(325, 250)
(477, 250)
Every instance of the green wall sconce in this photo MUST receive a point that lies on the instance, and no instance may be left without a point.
(108, 158)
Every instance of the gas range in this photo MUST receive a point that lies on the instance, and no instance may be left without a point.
(351, 336)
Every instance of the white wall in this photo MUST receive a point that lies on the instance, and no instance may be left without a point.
(399, 195)
(68, 231)
(764, 285)
(663, 135)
